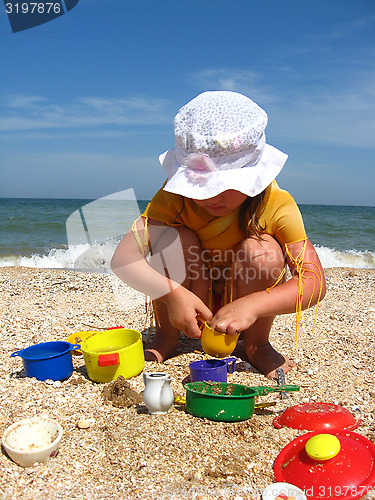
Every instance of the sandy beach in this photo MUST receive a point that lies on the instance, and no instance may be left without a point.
(126, 453)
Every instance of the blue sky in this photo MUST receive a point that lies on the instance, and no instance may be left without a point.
(87, 100)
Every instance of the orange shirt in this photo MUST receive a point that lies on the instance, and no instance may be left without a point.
(280, 216)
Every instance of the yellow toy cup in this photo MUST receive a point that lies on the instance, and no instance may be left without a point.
(217, 344)
(115, 352)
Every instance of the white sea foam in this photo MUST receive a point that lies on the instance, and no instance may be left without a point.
(84, 257)
(350, 258)
(96, 258)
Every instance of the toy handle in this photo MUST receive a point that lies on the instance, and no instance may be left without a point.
(263, 390)
(74, 347)
(110, 359)
(231, 364)
(15, 353)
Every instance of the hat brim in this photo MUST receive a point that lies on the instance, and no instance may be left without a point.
(249, 180)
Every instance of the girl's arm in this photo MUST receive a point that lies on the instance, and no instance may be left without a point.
(130, 265)
(282, 299)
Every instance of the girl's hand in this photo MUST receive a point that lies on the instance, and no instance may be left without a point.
(235, 317)
(184, 309)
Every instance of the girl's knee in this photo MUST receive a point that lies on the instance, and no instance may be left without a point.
(188, 237)
(259, 261)
(266, 252)
(196, 268)
(190, 244)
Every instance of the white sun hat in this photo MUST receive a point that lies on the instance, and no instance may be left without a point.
(220, 144)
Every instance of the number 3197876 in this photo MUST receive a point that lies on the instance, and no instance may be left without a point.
(33, 8)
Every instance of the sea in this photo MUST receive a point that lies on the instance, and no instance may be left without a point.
(82, 234)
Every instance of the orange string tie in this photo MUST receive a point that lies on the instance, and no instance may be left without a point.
(301, 270)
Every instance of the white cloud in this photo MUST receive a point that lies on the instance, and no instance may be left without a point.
(345, 118)
(245, 81)
(319, 90)
(25, 112)
(338, 112)
(24, 101)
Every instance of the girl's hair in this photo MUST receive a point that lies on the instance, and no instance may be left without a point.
(250, 212)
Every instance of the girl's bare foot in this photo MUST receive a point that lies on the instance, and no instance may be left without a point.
(287, 366)
(162, 346)
(266, 360)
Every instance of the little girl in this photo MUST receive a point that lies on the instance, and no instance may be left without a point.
(237, 228)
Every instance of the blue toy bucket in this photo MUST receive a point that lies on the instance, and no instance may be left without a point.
(48, 360)
(214, 370)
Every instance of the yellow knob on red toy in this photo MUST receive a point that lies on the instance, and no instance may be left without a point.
(322, 447)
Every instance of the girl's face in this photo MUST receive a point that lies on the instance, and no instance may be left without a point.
(223, 203)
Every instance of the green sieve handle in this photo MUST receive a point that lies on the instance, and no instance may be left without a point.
(263, 390)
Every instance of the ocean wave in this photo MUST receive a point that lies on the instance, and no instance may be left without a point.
(83, 257)
(96, 258)
(330, 257)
